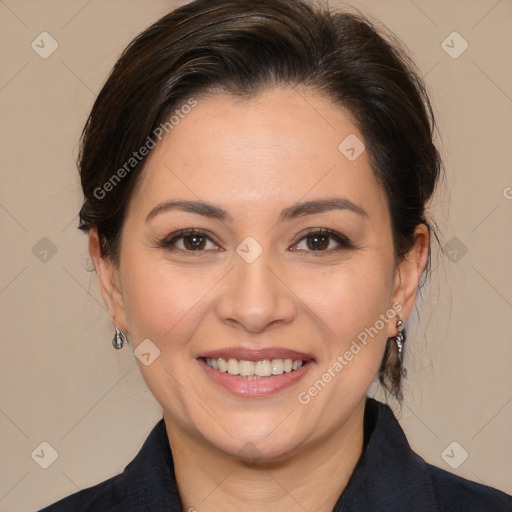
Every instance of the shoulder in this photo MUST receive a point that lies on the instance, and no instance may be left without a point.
(106, 496)
(403, 478)
(453, 493)
(147, 483)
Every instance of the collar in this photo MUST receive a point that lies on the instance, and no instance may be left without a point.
(388, 475)
(149, 479)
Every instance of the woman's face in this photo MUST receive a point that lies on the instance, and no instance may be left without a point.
(258, 282)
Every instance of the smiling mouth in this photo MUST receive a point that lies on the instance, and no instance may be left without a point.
(262, 369)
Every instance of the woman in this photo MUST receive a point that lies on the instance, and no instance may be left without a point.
(256, 176)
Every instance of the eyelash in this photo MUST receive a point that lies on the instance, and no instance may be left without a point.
(343, 241)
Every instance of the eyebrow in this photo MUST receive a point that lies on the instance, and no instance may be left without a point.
(292, 212)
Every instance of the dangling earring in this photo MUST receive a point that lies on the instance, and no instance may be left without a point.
(119, 339)
(399, 340)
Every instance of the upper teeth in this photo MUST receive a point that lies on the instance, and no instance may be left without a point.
(263, 368)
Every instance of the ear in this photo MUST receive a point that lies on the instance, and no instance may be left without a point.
(110, 284)
(409, 271)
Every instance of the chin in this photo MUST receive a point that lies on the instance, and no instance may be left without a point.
(267, 438)
(260, 451)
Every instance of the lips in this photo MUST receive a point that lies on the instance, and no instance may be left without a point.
(258, 354)
(248, 385)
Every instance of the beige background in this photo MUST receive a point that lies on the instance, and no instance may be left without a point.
(62, 382)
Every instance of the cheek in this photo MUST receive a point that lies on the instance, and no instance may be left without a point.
(356, 308)
(350, 301)
(164, 302)
(348, 298)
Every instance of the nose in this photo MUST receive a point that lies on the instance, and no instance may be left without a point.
(255, 296)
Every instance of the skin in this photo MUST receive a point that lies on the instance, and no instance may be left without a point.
(254, 159)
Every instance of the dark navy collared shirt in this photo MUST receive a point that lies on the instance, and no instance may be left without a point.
(389, 476)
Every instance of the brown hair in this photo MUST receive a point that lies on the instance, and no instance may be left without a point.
(242, 47)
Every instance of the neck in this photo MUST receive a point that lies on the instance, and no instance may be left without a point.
(311, 479)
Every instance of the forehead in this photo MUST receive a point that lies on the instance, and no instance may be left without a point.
(279, 147)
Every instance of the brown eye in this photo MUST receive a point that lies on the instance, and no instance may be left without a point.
(322, 240)
(194, 242)
(317, 242)
(189, 241)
